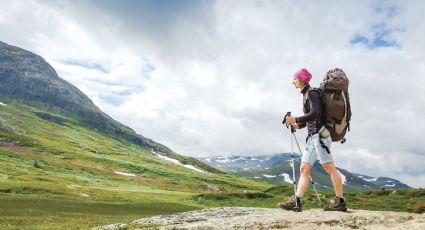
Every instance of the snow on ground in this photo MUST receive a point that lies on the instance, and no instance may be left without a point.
(344, 179)
(193, 168)
(390, 185)
(208, 160)
(224, 159)
(287, 178)
(124, 173)
(239, 159)
(269, 176)
(1, 103)
(373, 179)
(178, 162)
(73, 186)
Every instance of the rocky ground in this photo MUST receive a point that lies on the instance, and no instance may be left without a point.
(268, 218)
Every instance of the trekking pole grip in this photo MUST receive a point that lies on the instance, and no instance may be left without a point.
(284, 121)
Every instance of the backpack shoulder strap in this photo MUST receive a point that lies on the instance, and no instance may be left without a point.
(318, 90)
(320, 93)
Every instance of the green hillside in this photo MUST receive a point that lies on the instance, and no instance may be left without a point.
(63, 162)
(58, 163)
(62, 175)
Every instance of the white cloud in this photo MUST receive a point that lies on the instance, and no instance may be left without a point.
(217, 79)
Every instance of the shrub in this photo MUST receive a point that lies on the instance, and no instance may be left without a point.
(383, 192)
(419, 208)
(36, 165)
(226, 196)
(418, 193)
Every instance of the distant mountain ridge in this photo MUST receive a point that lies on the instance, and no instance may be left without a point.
(277, 169)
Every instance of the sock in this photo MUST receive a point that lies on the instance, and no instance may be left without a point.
(298, 197)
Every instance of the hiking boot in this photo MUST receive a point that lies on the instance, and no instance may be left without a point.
(292, 204)
(337, 204)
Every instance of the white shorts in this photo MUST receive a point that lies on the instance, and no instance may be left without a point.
(314, 150)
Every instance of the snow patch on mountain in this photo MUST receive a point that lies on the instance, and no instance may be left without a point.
(287, 178)
(178, 162)
(224, 159)
(124, 173)
(369, 179)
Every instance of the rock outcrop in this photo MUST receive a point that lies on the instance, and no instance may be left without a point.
(230, 218)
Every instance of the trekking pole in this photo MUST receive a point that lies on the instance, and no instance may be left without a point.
(311, 178)
(293, 167)
(292, 156)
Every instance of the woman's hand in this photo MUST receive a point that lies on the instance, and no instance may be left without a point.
(295, 126)
(291, 120)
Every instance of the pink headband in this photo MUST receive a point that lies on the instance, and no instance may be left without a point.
(303, 75)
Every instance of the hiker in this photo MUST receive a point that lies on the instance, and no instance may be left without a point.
(316, 146)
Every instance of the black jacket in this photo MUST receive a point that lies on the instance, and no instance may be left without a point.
(312, 108)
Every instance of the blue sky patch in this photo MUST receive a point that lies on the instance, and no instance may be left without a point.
(379, 36)
(87, 64)
(388, 10)
(112, 99)
(148, 69)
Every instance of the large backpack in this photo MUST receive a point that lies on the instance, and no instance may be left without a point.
(336, 109)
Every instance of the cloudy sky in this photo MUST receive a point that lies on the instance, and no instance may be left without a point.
(214, 77)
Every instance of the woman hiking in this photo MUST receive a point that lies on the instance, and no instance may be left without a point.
(316, 146)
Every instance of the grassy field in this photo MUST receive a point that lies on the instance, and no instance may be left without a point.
(406, 200)
(58, 174)
(33, 213)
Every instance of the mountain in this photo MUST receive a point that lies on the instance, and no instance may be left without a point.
(65, 163)
(277, 169)
(246, 163)
(27, 78)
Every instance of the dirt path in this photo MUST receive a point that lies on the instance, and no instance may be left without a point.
(268, 218)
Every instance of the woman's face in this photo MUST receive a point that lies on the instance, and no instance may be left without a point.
(297, 83)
